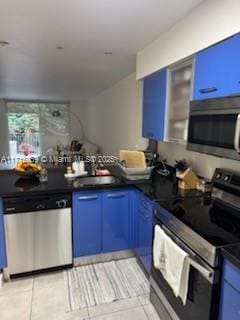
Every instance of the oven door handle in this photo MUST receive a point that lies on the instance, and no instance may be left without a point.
(237, 135)
(207, 273)
(204, 272)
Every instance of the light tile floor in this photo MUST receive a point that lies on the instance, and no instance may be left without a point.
(43, 297)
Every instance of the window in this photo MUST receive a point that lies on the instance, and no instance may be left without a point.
(24, 134)
(179, 96)
(33, 129)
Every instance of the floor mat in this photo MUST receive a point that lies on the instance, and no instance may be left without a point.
(99, 283)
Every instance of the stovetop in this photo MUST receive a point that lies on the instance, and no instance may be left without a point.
(205, 224)
(214, 221)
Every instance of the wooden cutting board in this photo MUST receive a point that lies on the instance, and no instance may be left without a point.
(133, 159)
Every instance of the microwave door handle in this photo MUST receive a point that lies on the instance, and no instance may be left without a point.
(237, 135)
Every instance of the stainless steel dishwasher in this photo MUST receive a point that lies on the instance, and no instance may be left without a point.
(38, 231)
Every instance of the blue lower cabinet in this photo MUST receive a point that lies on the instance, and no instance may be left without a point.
(116, 222)
(3, 259)
(230, 293)
(143, 211)
(230, 304)
(134, 214)
(87, 223)
(145, 232)
(112, 220)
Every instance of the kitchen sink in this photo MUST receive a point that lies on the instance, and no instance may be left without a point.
(100, 180)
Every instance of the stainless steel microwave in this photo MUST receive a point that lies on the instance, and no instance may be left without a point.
(214, 127)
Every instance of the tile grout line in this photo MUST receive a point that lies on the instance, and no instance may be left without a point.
(118, 311)
(143, 304)
(88, 318)
(139, 300)
(30, 316)
(145, 313)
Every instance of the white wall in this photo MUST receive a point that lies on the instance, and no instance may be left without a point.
(210, 22)
(115, 117)
(78, 108)
(203, 164)
(3, 130)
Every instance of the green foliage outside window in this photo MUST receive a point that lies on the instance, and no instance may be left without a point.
(23, 122)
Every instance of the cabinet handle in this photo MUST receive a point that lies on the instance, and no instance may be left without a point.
(208, 90)
(88, 198)
(145, 203)
(116, 196)
(144, 214)
(237, 135)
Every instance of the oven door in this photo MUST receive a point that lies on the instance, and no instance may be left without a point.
(214, 127)
(203, 290)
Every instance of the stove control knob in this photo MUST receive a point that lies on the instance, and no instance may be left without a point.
(219, 176)
(40, 206)
(226, 178)
(62, 203)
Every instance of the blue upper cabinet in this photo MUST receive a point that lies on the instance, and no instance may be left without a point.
(87, 223)
(3, 260)
(116, 231)
(154, 101)
(217, 70)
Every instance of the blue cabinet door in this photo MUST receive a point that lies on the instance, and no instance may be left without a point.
(230, 303)
(134, 209)
(145, 232)
(154, 101)
(134, 227)
(230, 292)
(3, 259)
(217, 70)
(116, 209)
(87, 223)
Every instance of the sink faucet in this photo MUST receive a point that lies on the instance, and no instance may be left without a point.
(95, 165)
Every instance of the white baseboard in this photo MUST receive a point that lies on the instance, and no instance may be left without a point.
(1, 280)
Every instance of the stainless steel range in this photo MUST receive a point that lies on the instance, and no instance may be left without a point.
(201, 226)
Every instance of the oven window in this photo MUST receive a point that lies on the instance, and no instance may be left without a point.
(213, 130)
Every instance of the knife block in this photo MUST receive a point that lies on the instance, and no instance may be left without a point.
(187, 180)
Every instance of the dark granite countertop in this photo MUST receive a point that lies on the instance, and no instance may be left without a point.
(232, 253)
(12, 185)
(158, 188)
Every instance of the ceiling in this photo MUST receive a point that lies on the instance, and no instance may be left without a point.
(32, 68)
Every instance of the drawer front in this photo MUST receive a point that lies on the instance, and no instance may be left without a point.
(230, 303)
(231, 274)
